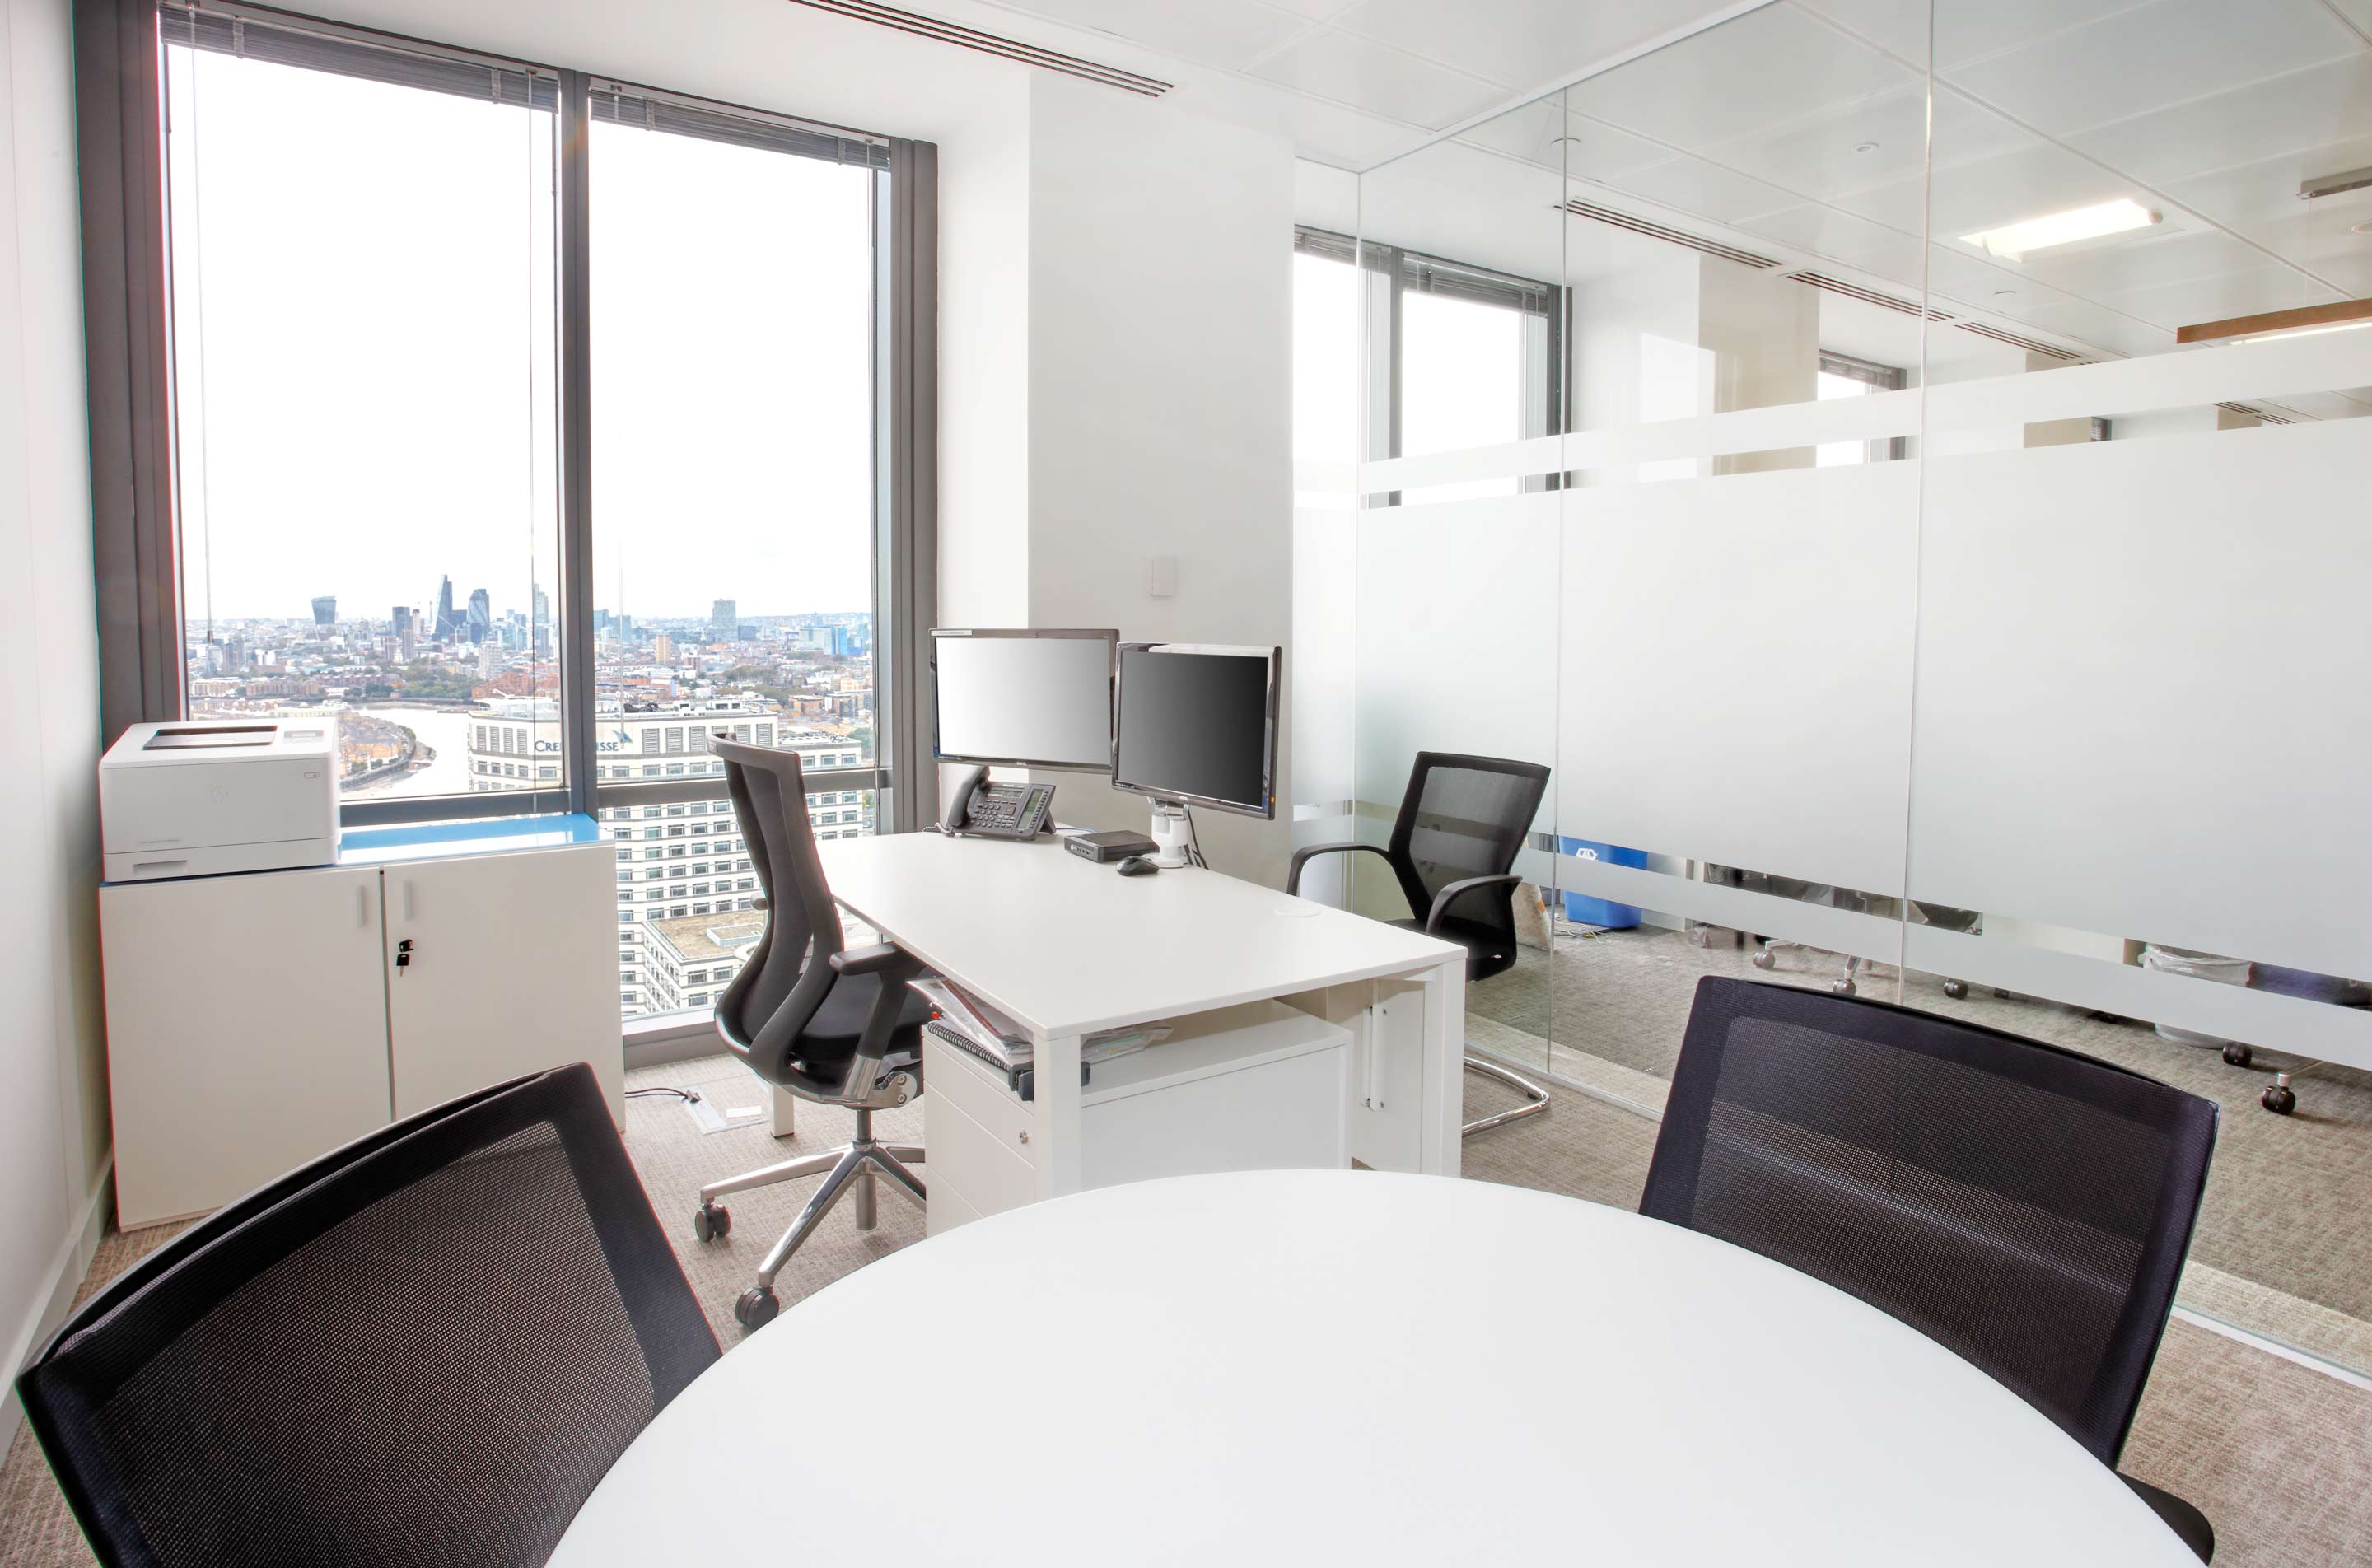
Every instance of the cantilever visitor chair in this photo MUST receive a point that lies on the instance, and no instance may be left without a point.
(1453, 852)
(831, 1024)
(2025, 1206)
(424, 1347)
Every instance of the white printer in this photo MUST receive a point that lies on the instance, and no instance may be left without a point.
(210, 796)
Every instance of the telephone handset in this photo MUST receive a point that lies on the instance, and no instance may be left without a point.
(999, 810)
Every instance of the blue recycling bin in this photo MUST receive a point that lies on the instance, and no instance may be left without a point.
(1583, 909)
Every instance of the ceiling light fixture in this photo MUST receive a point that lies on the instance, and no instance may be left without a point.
(2334, 184)
(2336, 318)
(2013, 242)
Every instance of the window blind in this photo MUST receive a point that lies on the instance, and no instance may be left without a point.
(622, 105)
(252, 37)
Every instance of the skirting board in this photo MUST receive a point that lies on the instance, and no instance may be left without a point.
(63, 1277)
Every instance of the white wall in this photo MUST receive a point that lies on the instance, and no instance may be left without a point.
(54, 1144)
(1160, 372)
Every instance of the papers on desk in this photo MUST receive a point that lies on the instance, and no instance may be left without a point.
(964, 1020)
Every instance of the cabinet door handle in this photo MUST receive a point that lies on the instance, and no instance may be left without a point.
(407, 898)
(1375, 1059)
(362, 907)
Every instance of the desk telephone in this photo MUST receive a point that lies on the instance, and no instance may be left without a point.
(999, 810)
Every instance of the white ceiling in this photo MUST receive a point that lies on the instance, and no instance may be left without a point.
(1374, 78)
(1803, 125)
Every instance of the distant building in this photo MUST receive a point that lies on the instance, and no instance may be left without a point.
(448, 624)
(833, 640)
(688, 963)
(325, 611)
(663, 648)
(400, 622)
(482, 615)
(725, 621)
(682, 859)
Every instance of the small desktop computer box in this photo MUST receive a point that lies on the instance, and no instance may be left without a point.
(1108, 847)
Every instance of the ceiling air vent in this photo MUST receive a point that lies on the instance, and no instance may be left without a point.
(1869, 296)
(2257, 413)
(2032, 345)
(1669, 236)
(989, 43)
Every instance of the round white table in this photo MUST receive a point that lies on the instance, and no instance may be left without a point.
(1347, 1370)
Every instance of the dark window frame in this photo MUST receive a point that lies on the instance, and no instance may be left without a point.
(121, 128)
(1394, 271)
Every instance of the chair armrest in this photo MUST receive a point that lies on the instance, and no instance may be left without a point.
(1457, 890)
(1303, 856)
(880, 959)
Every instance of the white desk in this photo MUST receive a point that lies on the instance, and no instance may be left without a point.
(1291, 1368)
(1066, 947)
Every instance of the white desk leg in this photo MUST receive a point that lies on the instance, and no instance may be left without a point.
(1445, 1075)
(1057, 1078)
(786, 1105)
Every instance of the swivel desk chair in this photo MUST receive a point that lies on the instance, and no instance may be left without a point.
(833, 1024)
(1453, 850)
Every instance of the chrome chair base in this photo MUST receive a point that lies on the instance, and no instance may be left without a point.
(1536, 1098)
(857, 1164)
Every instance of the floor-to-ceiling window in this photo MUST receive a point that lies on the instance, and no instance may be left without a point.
(363, 334)
(384, 320)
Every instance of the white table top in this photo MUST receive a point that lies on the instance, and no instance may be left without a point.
(1066, 946)
(1344, 1367)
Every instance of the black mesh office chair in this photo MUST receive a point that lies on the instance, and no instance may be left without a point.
(2025, 1206)
(832, 1024)
(1453, 848)
(424, 1348)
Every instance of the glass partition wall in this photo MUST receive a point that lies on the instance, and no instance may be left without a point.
(1869, 452)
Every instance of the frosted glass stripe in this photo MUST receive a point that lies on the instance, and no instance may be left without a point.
(2192, 378)
(1877, 417)
(2231, 1011)
(1512, 460)
(2186, 378)
(1874, 937)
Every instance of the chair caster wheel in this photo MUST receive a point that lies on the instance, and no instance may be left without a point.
(755, 1307)
(2281, 1099)
(2237, 1055)
(710, 1222)
(1843, 987)
(1956, 989)
(1763, 959)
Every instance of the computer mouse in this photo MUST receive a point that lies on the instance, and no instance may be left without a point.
(1137, 866)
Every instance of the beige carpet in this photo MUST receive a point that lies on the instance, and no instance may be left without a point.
(2276, 1454)
(2286, 1206)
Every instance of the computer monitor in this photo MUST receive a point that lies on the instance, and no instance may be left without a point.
(1040, 698)
(1196, 726)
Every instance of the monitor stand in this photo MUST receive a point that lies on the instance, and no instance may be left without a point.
(1174, 830)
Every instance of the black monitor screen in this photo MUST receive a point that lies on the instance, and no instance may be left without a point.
(1198, 726)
